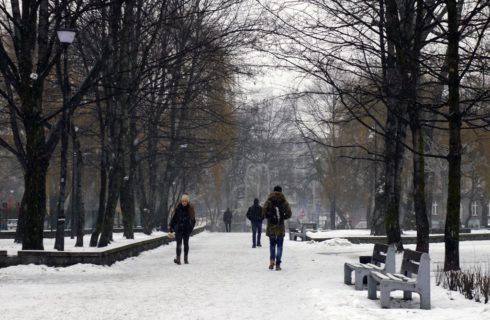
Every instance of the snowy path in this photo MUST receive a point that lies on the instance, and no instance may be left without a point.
(226, 279)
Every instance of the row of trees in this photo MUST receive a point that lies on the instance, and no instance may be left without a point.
(403, 69)
(145, 94)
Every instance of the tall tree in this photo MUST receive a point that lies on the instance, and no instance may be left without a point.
(28, 52)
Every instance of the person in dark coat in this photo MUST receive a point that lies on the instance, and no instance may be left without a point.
(182, 223)
(227, 217)
(254, 214)
(276, 209)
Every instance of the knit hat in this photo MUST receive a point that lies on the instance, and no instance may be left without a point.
(278, 189)
(185, 197)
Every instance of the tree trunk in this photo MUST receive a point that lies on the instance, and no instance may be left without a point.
(451, 230)
(394, 151)
(19, 232)
(333, 207)
(78, 194)
(146, 213)
(115, 180)
(127, 205)
(34, 206)
(377, 217)
(94, 239)
(395, 127)
(74, 204)
(420, 206)
(60, 221)
(110, 210)
(163, 208)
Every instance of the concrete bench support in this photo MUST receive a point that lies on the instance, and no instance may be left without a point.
(414, 276)
(382, 260)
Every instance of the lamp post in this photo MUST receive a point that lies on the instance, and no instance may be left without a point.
(66, 37)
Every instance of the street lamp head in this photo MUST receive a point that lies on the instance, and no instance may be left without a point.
(66, 36)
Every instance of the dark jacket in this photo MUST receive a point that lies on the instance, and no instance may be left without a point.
(254, 213)
(227, 216)
(183, 220)
(276, 199)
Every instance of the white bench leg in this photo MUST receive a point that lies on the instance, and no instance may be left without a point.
(371, 288)
(347, 275)
(358, 280)
(385, 297)
(424, 300)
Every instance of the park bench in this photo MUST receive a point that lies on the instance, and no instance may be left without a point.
(300, 232)
(414, 276)
(382, 260)
(293, 227)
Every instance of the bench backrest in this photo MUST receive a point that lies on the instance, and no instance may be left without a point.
(293, 225)
(308, 226)
(416, 263)
(384, 254)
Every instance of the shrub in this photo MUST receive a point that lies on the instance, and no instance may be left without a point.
(473, 284)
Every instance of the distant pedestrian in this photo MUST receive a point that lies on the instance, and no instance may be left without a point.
(276, 209)
(182, 223)
(227, 217)
(254, 214)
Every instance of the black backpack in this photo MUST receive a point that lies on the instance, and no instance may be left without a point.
(274, 214)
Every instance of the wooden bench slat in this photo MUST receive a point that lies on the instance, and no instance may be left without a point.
(374, 266)
(380, 275)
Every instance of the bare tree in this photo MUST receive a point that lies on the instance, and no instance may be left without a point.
(28, 50)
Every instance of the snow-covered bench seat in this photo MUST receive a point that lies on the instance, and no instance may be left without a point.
(414, 276)
(382, 260)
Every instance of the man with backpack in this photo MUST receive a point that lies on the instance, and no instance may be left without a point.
(276, 209)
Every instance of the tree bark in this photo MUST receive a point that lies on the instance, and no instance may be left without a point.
(60, 221)
(78, 194)
(94, 239)
(451, 229)
(420, 206)
(163, 208)
(34, 206)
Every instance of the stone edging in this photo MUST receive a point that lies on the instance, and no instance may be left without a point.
(433, 238)
(105, 257)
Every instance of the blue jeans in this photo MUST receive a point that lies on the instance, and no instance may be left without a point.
(256, 232)
(276, 242)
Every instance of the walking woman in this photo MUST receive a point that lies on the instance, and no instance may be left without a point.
(182, 223)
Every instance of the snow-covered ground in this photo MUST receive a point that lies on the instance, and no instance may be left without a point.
(226, 279)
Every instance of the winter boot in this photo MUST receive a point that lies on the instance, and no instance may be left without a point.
(278, 267)
(186, 261)
(177, 260)
(271, 265)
